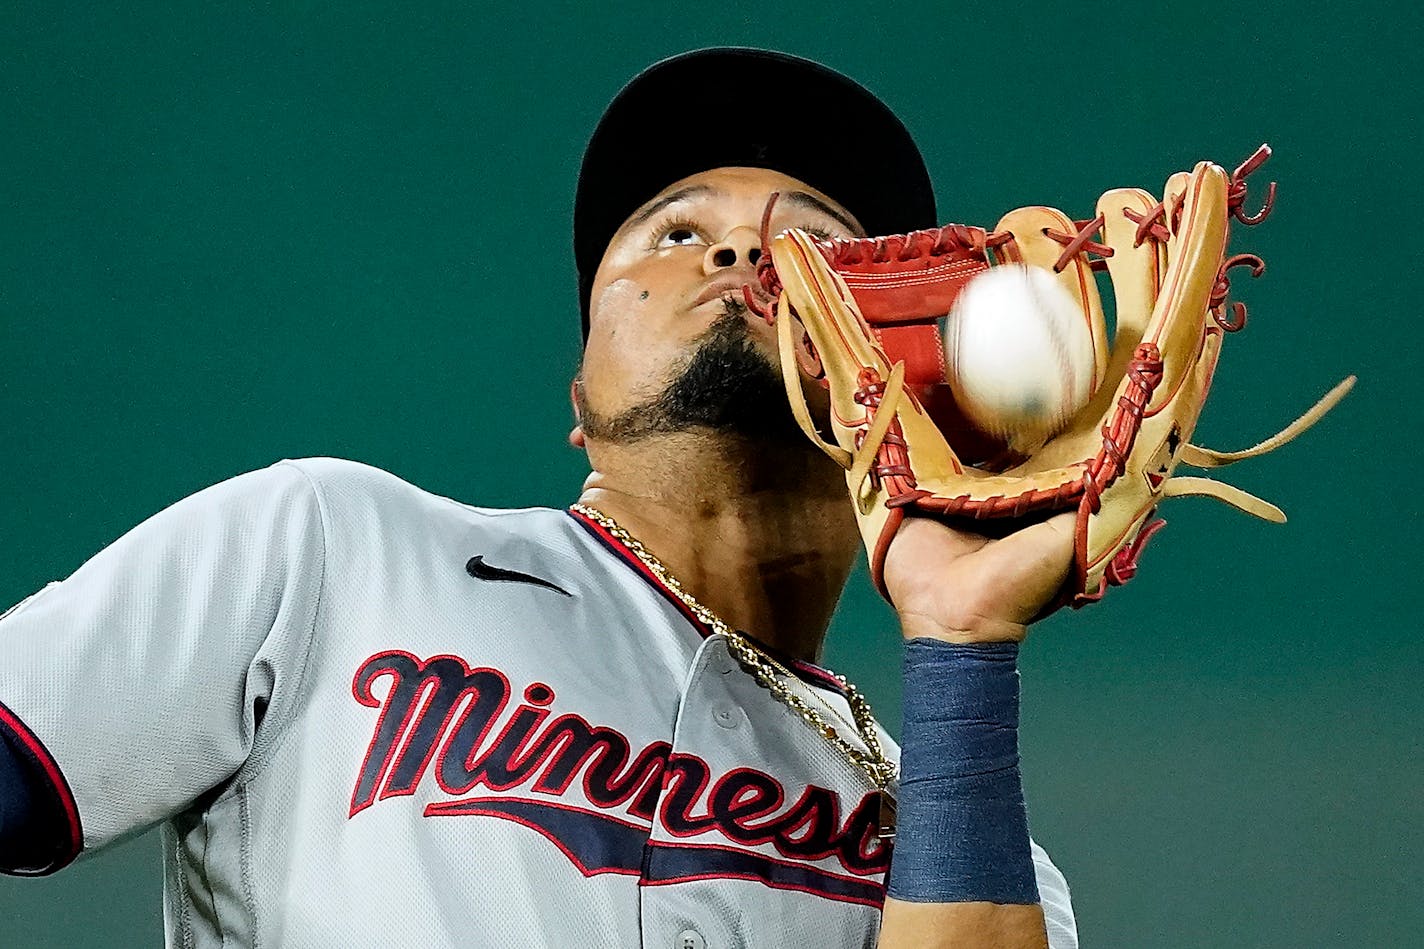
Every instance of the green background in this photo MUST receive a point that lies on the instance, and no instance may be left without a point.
(231, 234)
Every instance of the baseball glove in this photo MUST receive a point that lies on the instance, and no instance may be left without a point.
(863, 317)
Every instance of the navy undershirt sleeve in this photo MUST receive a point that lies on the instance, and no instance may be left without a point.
(25, 824)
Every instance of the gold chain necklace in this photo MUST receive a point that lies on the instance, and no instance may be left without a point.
(775, 678)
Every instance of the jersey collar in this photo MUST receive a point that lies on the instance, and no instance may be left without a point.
(806, 671)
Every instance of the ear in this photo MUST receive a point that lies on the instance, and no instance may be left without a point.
(576, 434)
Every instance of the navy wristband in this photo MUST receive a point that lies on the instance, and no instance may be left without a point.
(962, 833)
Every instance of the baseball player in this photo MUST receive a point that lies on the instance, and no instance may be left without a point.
(364, 714)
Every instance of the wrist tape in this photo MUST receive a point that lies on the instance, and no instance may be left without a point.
(962, 833)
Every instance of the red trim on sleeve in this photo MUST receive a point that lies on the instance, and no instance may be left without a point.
(59, 787)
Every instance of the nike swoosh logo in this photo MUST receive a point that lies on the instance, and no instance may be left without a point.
(480, 570)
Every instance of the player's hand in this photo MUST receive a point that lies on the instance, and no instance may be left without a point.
(964, 587)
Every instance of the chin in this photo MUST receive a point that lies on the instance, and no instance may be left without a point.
(727, 382)
(732, 380)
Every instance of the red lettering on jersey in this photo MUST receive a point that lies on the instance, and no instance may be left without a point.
(443, 711)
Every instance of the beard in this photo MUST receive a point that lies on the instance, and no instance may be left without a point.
(725, 386)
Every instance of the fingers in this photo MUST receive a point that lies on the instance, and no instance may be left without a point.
(923, 533)
(974, 587)
(1040, 557)
(1050, 540)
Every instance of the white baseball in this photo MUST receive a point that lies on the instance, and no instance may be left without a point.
(1019, 355)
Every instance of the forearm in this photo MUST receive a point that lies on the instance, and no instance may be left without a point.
(976, 925)
(962, 873)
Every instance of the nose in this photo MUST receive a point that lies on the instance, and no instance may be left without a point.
(742, 245)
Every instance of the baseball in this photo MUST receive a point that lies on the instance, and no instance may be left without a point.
(1018, 355)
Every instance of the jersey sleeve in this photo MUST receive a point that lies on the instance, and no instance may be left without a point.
(162, 670)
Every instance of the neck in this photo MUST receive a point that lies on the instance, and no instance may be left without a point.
(761, 535)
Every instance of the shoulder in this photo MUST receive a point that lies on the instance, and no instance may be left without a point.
(339, 475)
(368, 499)
(341, 480)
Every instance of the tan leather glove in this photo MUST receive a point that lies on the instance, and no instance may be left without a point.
(863, 316)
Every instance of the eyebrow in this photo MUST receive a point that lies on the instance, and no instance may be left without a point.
(803, 200)
(681, 194)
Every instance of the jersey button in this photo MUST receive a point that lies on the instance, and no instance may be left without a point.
(690, 939)
(727, 716)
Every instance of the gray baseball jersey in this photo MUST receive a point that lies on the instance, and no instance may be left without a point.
(368, 715)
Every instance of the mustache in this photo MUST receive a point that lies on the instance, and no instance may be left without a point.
(726, 384)
(733, 308)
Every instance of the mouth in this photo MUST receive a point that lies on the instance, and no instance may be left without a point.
(724, 289)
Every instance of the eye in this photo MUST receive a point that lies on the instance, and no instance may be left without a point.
(679, 236)
(677, 233)
(818, 230)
